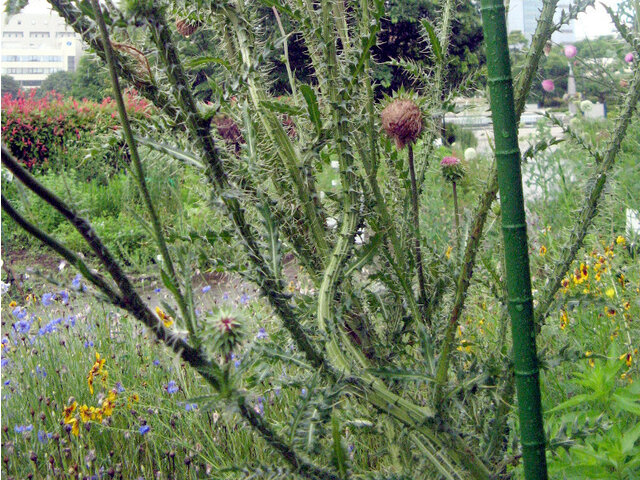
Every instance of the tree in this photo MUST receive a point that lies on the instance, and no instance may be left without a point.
(90, 80)
(10, 86)
(59, 82)
(401, 27)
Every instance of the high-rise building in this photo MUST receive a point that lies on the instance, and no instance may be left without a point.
(523, 16)
(36, 43)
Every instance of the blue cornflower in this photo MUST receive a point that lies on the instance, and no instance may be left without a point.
(262, 333)
(144, 429)
(277, 391)
(77, 284)
(41, 372)
(22, 326)
(190, 406)
(156, 362)
(48, 328)
(158, 290)
(351, 448)
(206, 288)
(259, 408)
(303, 392)
(88, 344)
(48, 298)
(4, 362)
(172, 387)
(19, 312)
(64, 296)
(23, 428)
(43, 437)
(244, 299)
(119, 387)
(225, 296)
(71, 321)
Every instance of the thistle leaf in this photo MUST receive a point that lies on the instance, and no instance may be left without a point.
(433, 38)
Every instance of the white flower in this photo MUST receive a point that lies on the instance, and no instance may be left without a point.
(470, 154)
(62, 265)
(4, 287)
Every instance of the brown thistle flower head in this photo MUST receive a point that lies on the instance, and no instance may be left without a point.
(187, 27)
(139, 60)
(229, 131)
(402, 121)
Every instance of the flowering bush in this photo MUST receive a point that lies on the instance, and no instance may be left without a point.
(36, 128)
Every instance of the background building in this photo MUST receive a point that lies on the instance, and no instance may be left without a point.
(523, 16)
(36, 43)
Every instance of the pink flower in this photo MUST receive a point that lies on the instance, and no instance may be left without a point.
(570, 51)
(449, 161)
(548, 85)
(628, 57)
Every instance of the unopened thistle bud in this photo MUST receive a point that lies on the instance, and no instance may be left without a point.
(402, 121)
(452, 169)
(141, 66)
(225, 330)
(229, 131)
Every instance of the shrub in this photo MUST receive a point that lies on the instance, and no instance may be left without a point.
(36, 128)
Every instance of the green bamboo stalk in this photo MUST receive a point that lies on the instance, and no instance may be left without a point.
(514, 230)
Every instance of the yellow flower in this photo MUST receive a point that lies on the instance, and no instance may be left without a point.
(85, 414)
(291, 288)
(69, 410)
(628, 359)
(564, 320)
(610, 292)
(13, 304)
(592, 363)
(448, 252)
(588, 353)
(75, 426)
(621, 241)
(166, 319)
(97, 370)
(543, 250)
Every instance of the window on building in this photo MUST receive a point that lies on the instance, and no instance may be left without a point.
(71, 63)
(12, 34)
(39, 34)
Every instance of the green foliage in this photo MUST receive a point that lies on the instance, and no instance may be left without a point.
(90, 80)
(9, 86)
(59, 82)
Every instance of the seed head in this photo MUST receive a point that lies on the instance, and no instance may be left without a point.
(402, 121)
(187, 27)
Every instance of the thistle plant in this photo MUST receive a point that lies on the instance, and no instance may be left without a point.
(364, 339)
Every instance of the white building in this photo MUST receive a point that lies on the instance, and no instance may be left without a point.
(36, 43)
(523, 16)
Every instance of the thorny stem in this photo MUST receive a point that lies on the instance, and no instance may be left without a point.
(416, 227)
(137, 164)
(456, 212)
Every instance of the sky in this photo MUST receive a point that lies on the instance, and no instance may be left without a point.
(593, 23)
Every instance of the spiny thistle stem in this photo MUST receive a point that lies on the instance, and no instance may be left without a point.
(456, 212)
(139, 170)
(416, 227)
(520, 303)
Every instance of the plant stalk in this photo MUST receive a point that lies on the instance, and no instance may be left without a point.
(520, 302)
(416, 227)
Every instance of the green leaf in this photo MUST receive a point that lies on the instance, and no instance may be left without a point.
(339, 453)
(572, 402)
(365, 255)
(168, 282)
(281, 107)
(312, 107)
(435, 43)
(401, 374)
(196, 62)
(173, 152)
(14, 7)
(628, 404)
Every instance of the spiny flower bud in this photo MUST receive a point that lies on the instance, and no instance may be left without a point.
(402, 121)
(452, 169)
(224, 331)
(141, 64)
(187, 27)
